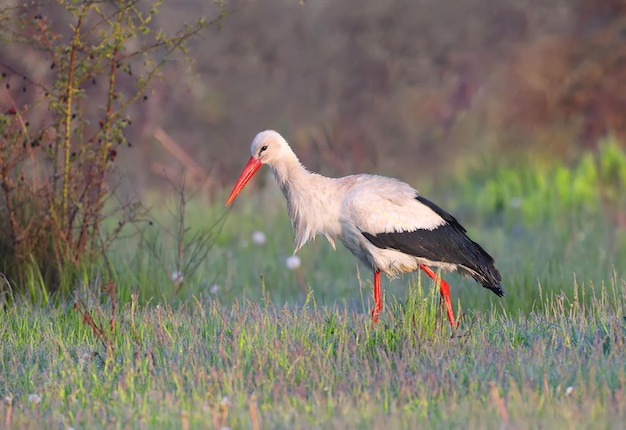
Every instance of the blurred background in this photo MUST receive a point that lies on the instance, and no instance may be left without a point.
(410, 88)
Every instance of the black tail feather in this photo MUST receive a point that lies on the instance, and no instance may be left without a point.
(447, 243)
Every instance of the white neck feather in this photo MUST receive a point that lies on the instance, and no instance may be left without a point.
(307, 194)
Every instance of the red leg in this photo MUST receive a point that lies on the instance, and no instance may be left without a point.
(444, 288)
(378, 300)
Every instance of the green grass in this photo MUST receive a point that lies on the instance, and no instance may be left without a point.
(310, 366)
(295, 349)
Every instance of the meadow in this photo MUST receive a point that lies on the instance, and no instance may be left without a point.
(238, 340)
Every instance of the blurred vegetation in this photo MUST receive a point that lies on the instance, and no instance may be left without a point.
(532, 192)
(401, 86)
(530, 95)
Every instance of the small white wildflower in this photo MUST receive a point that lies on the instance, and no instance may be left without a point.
(70, 428)
(177, 277)
(225, 401)
(516, 202)
(568, 391)
(258, 238)
(214, 289)
(293, 262)
(34, 398)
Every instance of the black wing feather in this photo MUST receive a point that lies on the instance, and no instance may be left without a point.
(448, 243)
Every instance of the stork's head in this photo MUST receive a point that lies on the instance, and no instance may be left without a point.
(267, 148)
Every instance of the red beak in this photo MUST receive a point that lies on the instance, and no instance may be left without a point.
(247, 173)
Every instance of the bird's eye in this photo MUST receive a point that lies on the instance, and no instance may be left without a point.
(263, 148)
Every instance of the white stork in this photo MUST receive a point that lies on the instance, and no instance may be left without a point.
(384, 222)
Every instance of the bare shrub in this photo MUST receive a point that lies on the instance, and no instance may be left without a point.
(62, 129)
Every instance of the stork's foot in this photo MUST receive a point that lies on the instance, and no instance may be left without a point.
(375, 315)
(458, 321)
(468, 325)
(443, 308)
